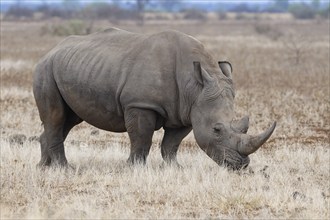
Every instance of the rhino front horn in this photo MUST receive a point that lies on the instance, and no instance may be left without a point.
(251, 144)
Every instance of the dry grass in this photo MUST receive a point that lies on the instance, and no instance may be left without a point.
(287, 178)
(293, 184)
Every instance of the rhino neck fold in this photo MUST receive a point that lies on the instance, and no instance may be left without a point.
(188, 93)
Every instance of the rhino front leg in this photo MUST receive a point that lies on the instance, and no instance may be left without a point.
(140, 125)
(170, 143)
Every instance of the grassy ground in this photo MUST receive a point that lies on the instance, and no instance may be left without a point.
(287, 178)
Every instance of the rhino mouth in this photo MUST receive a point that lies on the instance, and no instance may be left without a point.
(233, 160)
(228, 158)
(237, 163)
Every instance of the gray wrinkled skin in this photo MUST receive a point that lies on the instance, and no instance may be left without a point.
(126, 82)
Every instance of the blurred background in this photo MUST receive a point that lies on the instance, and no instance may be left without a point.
(279, 50)
(82, 14)
(116, 11)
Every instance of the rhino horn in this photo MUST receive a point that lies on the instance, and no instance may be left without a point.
(250, 144)
(241, 125)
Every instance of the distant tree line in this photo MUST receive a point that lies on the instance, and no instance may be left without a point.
(301, 10)
(114, 11)
(98, 10)
(309, 11)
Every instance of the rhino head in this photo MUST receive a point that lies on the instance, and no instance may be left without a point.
(224, 140)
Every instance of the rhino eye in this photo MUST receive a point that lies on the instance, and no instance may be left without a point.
(218, 127)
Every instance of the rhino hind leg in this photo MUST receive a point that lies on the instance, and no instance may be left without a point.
(170, 143)
(140, 125)
(57, 119)
(54, 154)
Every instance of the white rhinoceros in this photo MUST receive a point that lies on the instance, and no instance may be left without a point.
(137, 83)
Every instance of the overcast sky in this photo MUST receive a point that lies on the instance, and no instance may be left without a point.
(133, 1)
(191, 1)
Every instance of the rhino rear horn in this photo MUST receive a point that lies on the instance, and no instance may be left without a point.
(226, 68)
(241, 125)
(250, 144)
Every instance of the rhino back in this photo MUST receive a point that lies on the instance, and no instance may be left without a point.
(103, 74)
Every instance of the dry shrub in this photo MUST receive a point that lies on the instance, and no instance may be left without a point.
(194, 14)
(222, 15)
(240, 16)
(268, 30)
(71, 27)
(297, 47)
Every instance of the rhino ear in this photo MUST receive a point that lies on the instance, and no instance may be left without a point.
(201, 75)
(226, 68)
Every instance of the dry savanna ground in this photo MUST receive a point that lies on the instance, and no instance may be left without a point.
(281, 72)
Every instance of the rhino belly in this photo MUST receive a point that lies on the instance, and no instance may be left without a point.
(96, 107)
